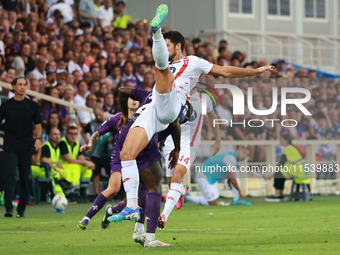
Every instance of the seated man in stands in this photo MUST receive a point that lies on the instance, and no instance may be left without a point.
(79, 170)
(49, 154)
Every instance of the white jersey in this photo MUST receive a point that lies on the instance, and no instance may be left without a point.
(191, 130)
(188, 69)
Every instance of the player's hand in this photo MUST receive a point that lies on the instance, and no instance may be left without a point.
(37, 144)
(173, 158)
(87, 148)
(217, 147)
(123, 121)
(266, 68)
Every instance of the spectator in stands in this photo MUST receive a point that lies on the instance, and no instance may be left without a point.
(109, 105)
(83, 116)
(128, 74)
(64, 8)
(48, 107)
(79, 168)
(100, 154)
(105, 14)
(39, 71)
(23, 63)
(87, 13)
(51, 77)
(115, 77)
(54, 121)
(82, 93)
(22, 118)
(120, 20)
(148, 81)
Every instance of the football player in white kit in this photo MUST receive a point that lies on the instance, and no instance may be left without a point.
(167, 98)
(184, 68)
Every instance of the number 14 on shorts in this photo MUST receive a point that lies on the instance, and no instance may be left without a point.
(185, 160)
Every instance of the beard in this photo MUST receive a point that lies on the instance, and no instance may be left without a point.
(171, 57)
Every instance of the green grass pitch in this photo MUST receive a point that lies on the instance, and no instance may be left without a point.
(263, 228)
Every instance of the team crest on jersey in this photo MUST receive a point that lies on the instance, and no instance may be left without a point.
(172, 69)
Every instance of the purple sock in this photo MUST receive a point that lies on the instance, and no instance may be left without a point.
(98, 204)
(153, 210)
(118, 207)
(142, 203)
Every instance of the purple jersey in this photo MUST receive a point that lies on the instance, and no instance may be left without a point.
(111, 125)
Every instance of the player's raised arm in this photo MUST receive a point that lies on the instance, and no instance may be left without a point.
(88, 147)
(237, 72)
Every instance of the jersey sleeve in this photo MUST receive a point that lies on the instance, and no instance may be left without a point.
(110, 125)
(229, 160)
(63, 148)
(139, 94)
(203, 66)
(45, 152)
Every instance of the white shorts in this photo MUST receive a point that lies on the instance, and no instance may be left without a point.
(209, 191)
(186, 157)
(157, 115)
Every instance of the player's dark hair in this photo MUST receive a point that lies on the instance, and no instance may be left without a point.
(175, 37)
(14, 82)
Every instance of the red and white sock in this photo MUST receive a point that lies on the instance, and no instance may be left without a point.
(172, 198)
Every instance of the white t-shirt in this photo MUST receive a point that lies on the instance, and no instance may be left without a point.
(39, 75)
(105, 15)
(187, 71)
(2, 48)
(65, 10)
(85, 117)
(52, 2)
(79, 100)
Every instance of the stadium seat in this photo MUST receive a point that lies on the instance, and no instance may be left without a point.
(305, 194)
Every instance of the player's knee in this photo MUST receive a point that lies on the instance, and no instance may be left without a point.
(212, 202)
(126, 154)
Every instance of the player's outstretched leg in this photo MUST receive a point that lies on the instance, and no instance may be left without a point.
(101, 199)
(164, 77)
(98, 204)
(176, 190)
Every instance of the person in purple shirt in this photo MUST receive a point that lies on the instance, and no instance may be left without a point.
(128, 75)
(148, 164)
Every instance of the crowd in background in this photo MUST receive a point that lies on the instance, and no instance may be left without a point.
(83, 51)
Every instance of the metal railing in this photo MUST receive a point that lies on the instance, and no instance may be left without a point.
(55, 100)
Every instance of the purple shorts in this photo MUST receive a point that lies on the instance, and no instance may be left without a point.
(142, 162)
